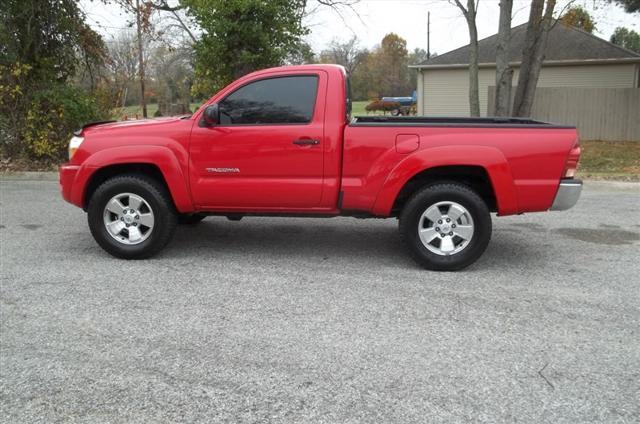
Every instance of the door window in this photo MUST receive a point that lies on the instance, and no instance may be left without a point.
(282, 100)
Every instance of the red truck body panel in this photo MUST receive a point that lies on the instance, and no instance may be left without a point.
(524, 164)
(275, 175)
(162, 143)
(353, 167)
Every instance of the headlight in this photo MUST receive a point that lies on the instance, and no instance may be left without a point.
(74, 144)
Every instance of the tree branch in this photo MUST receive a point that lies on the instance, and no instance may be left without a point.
(183, 25)
(164, 6)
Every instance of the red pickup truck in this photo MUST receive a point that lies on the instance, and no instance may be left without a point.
(281, 141)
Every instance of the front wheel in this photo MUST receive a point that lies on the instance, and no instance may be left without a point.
(446, 226)
(131, 216)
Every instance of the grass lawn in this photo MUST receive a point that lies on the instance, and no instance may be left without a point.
(618, 160)
(357, 109)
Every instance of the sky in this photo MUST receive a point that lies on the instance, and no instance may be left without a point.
(372, 19)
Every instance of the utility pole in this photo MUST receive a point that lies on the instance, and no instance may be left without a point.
(428, 34)
(143, 103)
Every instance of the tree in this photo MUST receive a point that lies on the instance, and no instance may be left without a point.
(339, 7)
(300, 54)
(384, 71)
(123, 62)
(176, 17)
(139, 11)
(538, 26)
(416, 57)
(173, 15)
(630, 6)
(142, 15)
(578, 17)
(171, 76)
(391, 65)
(347, 54)
(44, 46)
(47, 35)
(469, 12)
(504, 73)
(142, 11)
(240, 36)
(92, 55)
(364, 80)
(627, 38)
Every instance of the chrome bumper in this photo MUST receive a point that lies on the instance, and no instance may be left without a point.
(568, 194)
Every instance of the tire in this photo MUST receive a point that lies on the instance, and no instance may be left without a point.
(146, 224)
(190, 218)
(395, 112)
(466, 235)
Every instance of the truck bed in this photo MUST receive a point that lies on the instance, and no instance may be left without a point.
(377, 150)
(443, 121)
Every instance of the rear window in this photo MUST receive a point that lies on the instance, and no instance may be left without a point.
(282, 100)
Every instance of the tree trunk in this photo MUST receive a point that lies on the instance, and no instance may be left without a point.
(474, 100)
(470, 15)
(532, 56)
(143, 103)
(504, 73)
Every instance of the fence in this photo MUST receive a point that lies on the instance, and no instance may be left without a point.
(611, 114)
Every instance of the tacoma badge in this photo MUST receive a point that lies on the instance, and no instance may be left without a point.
(223, 170)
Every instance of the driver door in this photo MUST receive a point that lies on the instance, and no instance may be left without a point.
(266, 153)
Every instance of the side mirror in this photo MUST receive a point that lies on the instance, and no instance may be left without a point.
(211, 116)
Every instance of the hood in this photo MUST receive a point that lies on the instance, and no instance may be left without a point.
(115, 125)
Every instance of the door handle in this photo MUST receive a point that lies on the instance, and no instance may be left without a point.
(306, 142)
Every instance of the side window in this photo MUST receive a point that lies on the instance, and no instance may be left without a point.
(284, 100)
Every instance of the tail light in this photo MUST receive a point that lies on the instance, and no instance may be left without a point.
(572, 161)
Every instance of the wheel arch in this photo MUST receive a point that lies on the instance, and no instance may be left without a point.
(472, 176)
(106, 172)
(483, 168)
(154, 161)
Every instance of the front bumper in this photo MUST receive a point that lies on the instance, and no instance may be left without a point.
(67, 176)
(568, 194)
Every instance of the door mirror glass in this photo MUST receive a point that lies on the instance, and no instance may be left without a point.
(211, 116)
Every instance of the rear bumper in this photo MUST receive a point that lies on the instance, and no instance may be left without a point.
(568, 194)
(67, 176)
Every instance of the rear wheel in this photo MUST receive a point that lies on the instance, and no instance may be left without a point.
(446, 226)
(131, 216)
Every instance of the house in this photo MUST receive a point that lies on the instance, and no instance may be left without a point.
(574, 58)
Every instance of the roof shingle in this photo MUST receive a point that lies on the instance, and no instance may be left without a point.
(564, 43)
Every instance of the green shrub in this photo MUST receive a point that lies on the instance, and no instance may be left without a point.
(52, 117)
(15, 86)
(37, 121)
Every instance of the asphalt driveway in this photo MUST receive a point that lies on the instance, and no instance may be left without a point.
(320, 320)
